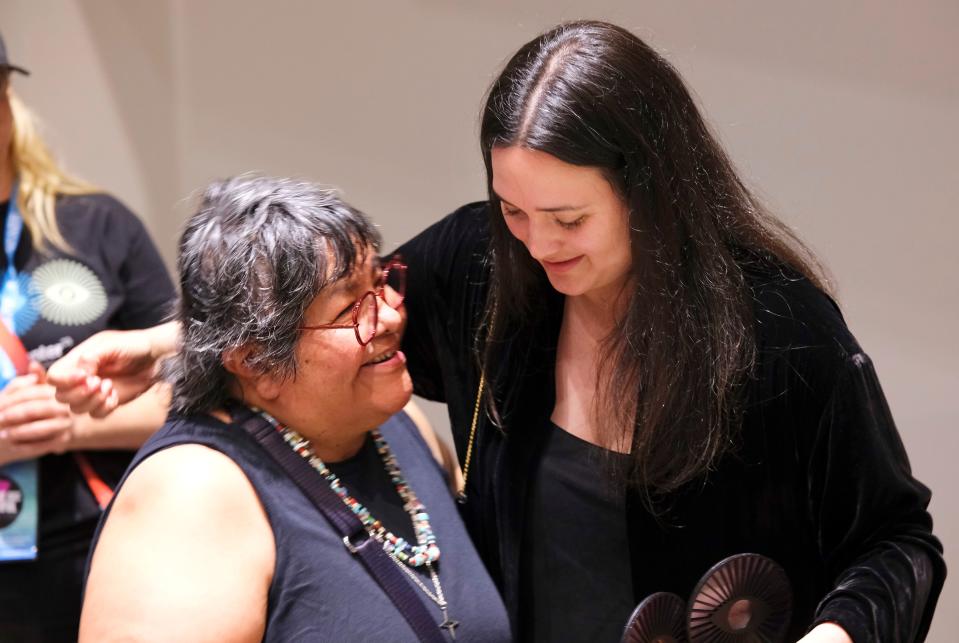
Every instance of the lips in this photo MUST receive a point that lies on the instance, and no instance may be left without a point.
(561, 266)
(382, 357)
(386, 357)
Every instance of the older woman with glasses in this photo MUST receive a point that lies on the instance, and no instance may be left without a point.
(291, 326)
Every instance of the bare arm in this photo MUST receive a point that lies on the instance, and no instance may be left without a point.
(187, 553)
(441, 451)
(111, 368)
(128, 427)
(34, 423)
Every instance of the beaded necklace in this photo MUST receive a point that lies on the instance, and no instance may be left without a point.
(426, 550)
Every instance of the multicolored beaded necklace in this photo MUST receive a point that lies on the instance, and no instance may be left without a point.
(426, 550)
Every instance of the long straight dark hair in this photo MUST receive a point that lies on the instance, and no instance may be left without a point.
(593, 94)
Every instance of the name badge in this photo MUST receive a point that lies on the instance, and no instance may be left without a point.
(18, 511)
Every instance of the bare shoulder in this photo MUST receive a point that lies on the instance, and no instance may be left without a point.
(186, 531)
(198, 470)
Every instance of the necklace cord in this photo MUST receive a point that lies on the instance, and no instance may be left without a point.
(469, 444)
(461, 494)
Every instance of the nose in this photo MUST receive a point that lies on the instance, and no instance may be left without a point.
(541, 237)
(389, 319)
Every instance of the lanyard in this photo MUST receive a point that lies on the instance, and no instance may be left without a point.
(11, 299)
(14, 359)
(19, 539)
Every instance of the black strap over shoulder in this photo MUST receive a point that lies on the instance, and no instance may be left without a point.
(355, 537)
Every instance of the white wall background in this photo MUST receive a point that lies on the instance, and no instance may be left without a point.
(842, 114)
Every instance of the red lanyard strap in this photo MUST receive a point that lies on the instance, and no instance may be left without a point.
(101, 490)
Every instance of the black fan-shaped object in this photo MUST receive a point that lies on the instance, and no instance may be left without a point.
(744, 598)
(660, 618)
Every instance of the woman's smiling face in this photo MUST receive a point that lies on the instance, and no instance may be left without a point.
(339, 386)
(569, 217)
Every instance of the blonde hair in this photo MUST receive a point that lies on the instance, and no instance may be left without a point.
(41, 179)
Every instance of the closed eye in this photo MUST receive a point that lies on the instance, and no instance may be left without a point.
(569, 225)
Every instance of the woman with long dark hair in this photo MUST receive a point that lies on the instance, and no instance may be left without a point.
(665, 379)
(644, 370)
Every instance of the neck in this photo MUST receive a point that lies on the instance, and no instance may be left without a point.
(595, 313)
(329, 444)
(338, 449)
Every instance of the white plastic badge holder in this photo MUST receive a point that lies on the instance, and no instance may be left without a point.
(18, 511)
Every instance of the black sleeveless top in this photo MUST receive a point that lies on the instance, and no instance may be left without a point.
(320, 592)
(578, 587)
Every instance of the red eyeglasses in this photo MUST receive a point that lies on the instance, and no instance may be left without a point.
(390, 287)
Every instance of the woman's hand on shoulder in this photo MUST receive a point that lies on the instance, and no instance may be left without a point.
(187, 553)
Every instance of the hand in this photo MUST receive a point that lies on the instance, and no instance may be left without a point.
(109, 369)
(32, 422)
(826, 633)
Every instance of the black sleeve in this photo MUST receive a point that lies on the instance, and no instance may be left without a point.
(148, 292)
(445, 265)
(874, 532)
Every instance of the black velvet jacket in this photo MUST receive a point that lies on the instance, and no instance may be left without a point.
(820, 482)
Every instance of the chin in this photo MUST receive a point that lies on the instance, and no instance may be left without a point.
(388, 404)
(566, 287)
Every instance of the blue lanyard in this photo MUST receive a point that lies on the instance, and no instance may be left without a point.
(10, 297)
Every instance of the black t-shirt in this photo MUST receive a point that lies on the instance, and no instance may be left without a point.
(114, 278)
(577, 587)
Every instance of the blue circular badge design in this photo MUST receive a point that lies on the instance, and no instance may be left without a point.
(70, 294)
(21, 303)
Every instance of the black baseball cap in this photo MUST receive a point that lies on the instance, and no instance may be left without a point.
(5, 62)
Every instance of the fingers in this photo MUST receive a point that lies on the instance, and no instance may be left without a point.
(81, 378)
(38, 431)
(31, 413)
(29, 410)
(87, 395)
(19, 382)
(72, 370)
(14, 396)
(36, 369)
(76, 382)
(109, 403)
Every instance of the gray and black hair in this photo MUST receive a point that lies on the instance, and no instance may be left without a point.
(251, 260)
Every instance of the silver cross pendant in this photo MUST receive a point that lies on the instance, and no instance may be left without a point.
(449, 625)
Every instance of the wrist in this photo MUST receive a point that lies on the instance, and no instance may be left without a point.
(79, 433)
(163, 339)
